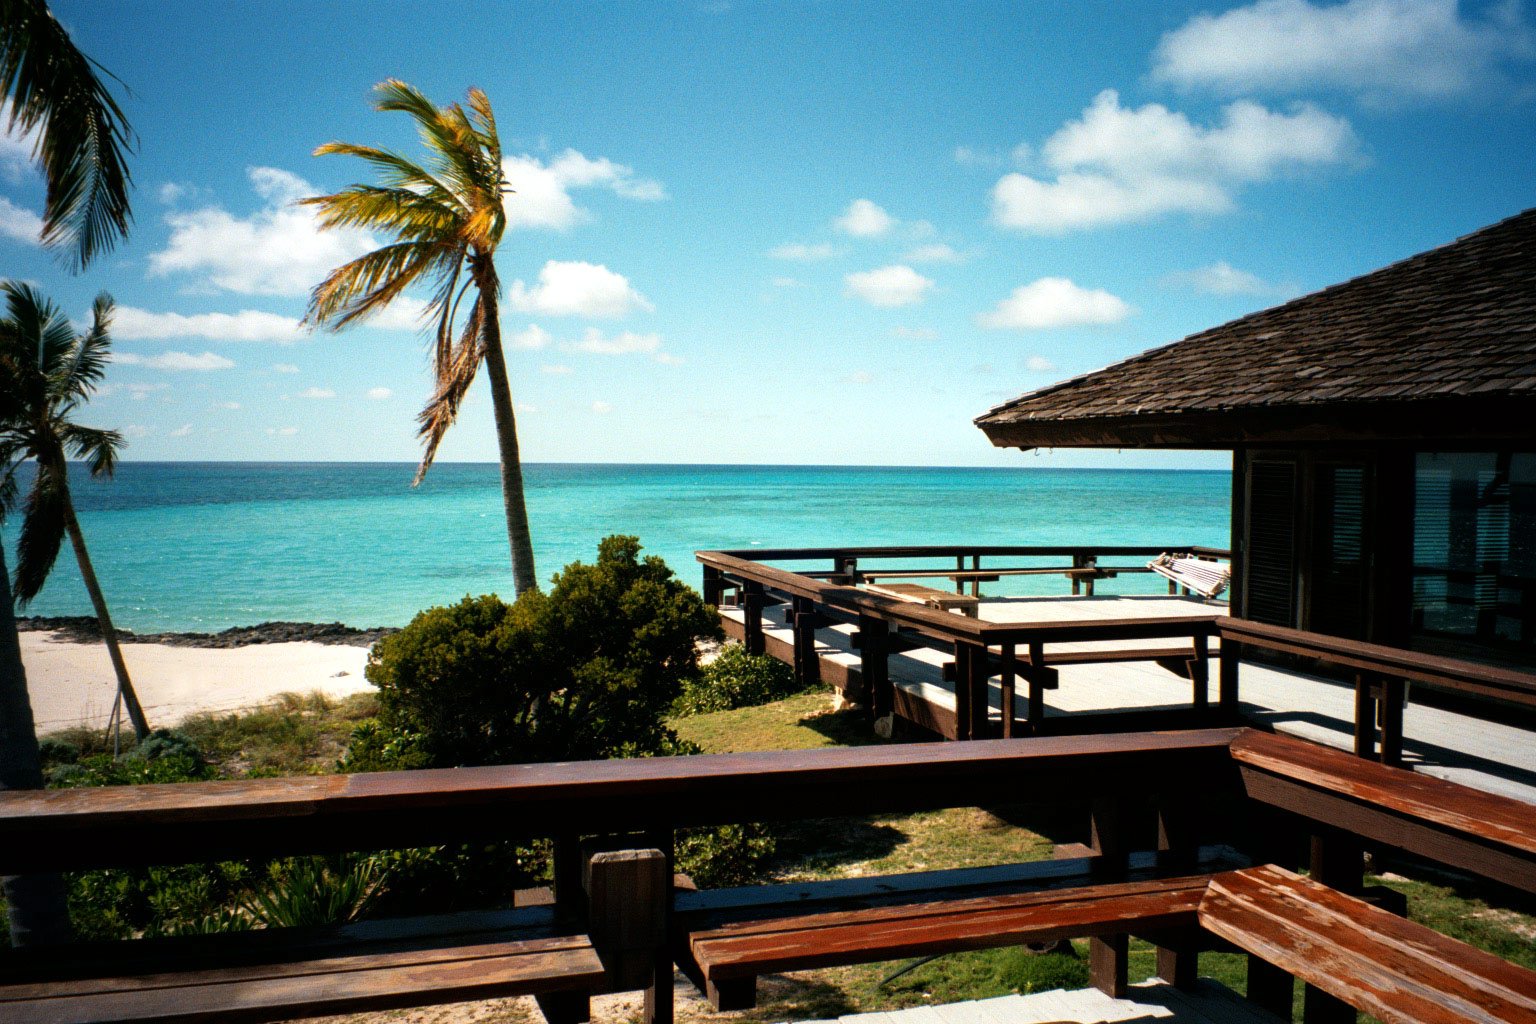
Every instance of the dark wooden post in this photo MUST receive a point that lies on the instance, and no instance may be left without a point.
(1231, 659)
(959, 568)
(976, 580)
(1392, 695)
(565, 873)
(1108, 956)
(963, 691)
(1178, 851)
(752, 617)
(658, 997)
(1077, 563)
(713, 588)
(1200, 672)
(981, 673)
(1009, 675)
(1337, 861)
(627, 895)
(805, 619)
(1365, 714)
(875, 666)
(1038, 678)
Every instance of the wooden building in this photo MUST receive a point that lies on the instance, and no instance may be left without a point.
(1383, 434)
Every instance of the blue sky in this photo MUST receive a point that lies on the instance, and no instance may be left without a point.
(743, 232)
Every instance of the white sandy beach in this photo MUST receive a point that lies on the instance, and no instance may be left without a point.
(72, 683)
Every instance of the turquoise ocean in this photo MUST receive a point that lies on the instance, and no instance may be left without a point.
(205, 546)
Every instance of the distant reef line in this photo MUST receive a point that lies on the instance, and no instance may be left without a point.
(85, 629)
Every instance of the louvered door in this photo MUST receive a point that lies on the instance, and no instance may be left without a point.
(1337, 581)
(1269, 570)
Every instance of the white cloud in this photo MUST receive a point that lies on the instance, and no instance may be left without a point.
(800, 252)
(556, 369)
(137, 430)
(973, 156)
(601, 408)
(379, 394)
(620, 344)
(317, 393)
(531, 337)
(1118, 164)
(175, 361)
(578, 289)
(16, 149)
(282, 431)
(278, 250)
(541, 193)
(19, 223)
(247, 325)
(284, 368)
(915, 333)
(1039, 364)
(185, 430)
(1222, 278)
(1054, 302)
(864, 219)
(1380, 49)
(896, 285)
(938, 252)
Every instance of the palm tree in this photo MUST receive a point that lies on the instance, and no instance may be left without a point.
(50, 371)
(83, 134)
(52, 89)
(445, 220)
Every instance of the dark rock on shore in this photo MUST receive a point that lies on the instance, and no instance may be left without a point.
(85, 629)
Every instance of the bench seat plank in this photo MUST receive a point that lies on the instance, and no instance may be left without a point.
(1395, 970)
(283, 990)
(752, 948)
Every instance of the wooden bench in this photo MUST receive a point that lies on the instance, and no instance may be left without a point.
(915, 593)
(1396, 971)
(728, 938)
(287, 973)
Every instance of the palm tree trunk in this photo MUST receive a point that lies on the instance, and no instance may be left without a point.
(114, 651)
(524, 578)
(35, 906)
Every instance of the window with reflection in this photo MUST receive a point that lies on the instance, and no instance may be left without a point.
(1474, 554)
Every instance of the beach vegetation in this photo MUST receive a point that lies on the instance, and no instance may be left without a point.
(444, 219)
(48, 371)
(736, 679)
(587, 670)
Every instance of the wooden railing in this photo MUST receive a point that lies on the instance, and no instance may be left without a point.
(981, 649)
(1204, 786)
(1380, 674)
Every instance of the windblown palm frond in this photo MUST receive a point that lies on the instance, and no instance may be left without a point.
(42, 531)
(83, 135)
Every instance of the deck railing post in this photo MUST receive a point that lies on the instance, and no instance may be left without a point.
(963, 672)
(978, 682)
(1200, 672)
(1365, 715)
(874, 666)
(1392, 697)
(1227, 688)
(805, 621)
(752, 617)
(1039, 677)
(713, 589)
(1337, 861)
(1178, 851)
(658, 997)
(1009, 685)
(1108, 956)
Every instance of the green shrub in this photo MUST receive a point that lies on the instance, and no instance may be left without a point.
(736, 679)
(587, 670)
(727, 855)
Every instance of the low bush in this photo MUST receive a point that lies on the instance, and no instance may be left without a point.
(736, 679)
(587, 670)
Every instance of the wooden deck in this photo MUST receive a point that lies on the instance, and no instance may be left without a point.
(1481, 754)
(1210, 1003)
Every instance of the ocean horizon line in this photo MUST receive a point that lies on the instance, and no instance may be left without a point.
(676, 465)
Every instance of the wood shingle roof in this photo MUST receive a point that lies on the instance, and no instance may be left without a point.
(1439, 346)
